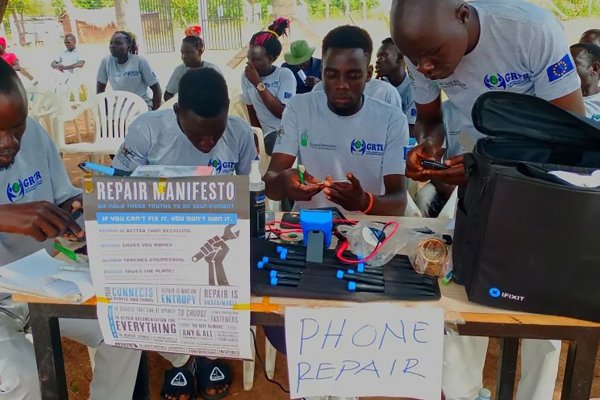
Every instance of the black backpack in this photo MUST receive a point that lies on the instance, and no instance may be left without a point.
(524, 239)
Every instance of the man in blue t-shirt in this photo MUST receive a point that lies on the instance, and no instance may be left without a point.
(306, 68)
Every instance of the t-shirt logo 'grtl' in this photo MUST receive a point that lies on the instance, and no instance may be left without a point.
(18, 189)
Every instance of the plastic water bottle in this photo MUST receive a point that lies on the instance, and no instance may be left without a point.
(257, 202)
(484, 394)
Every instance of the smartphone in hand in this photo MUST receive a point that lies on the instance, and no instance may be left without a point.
(431, 164)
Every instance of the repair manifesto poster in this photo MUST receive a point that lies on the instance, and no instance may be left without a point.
(169, 262)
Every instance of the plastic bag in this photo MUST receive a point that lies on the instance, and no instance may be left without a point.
(430, 254)
(365, 236)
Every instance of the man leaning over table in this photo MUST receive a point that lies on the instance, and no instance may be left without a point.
(30, 217)
(467, 49)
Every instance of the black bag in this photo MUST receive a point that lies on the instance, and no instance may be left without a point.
(526, 240)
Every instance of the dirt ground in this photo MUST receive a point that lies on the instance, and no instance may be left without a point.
(79, 374)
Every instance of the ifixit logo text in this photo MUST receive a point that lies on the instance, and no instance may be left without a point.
(497, 293)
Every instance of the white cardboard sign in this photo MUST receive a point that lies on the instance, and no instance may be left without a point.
(367, 350)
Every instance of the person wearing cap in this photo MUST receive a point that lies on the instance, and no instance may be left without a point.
(306, 68)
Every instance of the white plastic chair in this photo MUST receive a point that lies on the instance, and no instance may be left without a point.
(43, 107)
(113, 112)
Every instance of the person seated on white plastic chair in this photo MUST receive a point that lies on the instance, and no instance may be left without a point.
(192, 48)
(30, 217)
(127, 71)
(340, 134)
(196, 131)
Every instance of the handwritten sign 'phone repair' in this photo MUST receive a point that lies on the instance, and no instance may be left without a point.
(368, 350)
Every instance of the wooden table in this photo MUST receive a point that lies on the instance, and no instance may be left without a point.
(467, 318)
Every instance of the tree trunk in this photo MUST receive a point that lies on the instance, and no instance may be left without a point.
(3, 4)
(20, 27)
(120, 14)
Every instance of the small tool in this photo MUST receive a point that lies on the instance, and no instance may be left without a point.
(300, 250)
(363, 287)
(360, 278)
(284, 255)
(301, 170)
(281, 268)
(290, 263)
(103, 169)
(287, 275)
(67, 252)
(284, 282)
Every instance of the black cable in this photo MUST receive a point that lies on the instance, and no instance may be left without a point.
(263, 366)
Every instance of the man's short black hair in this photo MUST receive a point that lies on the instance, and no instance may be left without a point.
(203, 91)
(70, 35)
(593, 51)
(9, 81)
(593, 32)
(348, 37)
(388, 40)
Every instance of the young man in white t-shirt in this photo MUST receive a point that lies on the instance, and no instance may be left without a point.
(377, 89)
(587, 61)
(196, 131)
(340, 134)
(391, 68)
(467, 49)
(35, 207)
(348, 142)
(69, 59)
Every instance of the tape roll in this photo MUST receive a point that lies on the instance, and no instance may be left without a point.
(291, 237)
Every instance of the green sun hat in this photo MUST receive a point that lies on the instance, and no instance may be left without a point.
(300, 52)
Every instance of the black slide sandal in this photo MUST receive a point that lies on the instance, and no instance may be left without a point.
(178, 382)
(212, 374)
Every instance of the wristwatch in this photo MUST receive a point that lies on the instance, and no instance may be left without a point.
(261, 87)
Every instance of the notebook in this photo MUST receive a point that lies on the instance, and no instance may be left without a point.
(41, 275)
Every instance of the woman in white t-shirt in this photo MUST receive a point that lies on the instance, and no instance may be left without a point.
(127, 71)
(192, 48)
(267, 88)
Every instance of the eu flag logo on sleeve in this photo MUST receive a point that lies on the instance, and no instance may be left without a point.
(560, 69)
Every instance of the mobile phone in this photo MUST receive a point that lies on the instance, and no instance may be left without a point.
(430, 164)
(77, 213)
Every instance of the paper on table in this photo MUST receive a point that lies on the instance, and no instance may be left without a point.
(41, 275)
(592, 180)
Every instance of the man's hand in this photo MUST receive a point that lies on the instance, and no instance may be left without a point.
(252, 74)
(61, 68)
(298, 191)
(70, 206)
(41, 220)
(455, 175)
(423, 151)
(351, 195)
(311, 81)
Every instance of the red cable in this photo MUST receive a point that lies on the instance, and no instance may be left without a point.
(344, 246)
